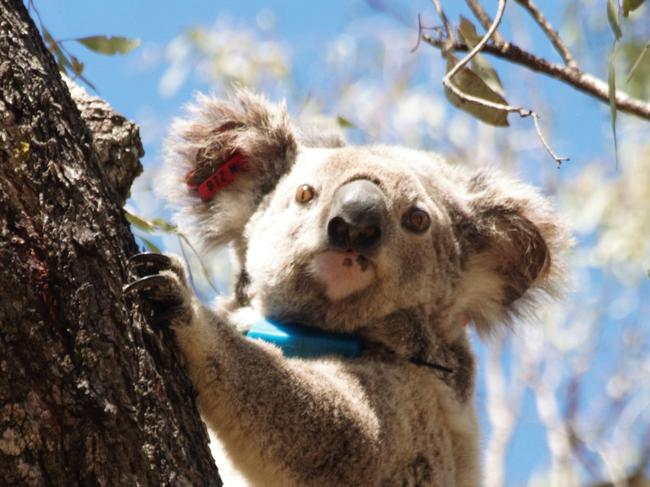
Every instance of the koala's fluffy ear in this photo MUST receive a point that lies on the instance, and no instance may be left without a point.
(511, 246)
(222, 158)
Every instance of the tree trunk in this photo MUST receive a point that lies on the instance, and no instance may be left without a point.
(89, 394)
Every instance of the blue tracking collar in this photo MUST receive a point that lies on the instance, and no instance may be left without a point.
(305, 342)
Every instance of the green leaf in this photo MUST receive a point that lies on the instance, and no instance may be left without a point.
(611, 81)
(344, 122)
(613, 17)
(468, 31)
(49, 40)
(163, 225)
(471, 84)
(150, 225)
(151, 247)
(631, 6)
(62, 60)
(77, 66)
(138, 222)
(637, 62)
(109, 45)
(480, 65)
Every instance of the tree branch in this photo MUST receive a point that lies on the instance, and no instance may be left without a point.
(451, 38)
(463, 62)
(550, 32)
(446, 81)
(483, 18)
(576, 78)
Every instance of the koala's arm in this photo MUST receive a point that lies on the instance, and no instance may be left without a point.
(318, 422)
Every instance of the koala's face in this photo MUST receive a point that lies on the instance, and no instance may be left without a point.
(349, 236)
(345, 238)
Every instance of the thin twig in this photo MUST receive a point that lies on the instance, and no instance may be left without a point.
(578, 79)
(504, 395)
(545, 390)
(446, 81)
(421, 29)
(463, 62)
(558, 159)
(31, 6)
(451, 38)
(483, 18)
(417, 43)
(550, 32)
(206, 274)
(190, 276)
(637, 63)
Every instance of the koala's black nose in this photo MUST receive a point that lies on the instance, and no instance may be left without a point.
(357, 219)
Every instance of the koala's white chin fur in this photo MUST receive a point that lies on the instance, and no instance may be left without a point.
(342, 273)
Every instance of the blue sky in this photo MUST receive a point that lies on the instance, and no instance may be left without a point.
(580, 125)
(305, 26)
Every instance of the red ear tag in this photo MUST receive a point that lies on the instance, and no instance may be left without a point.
(222, 177)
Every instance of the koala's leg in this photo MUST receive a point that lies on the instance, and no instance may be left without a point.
(292, 422)
(358, 422)
(283, 423)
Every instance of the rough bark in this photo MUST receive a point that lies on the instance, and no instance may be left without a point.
(89, 394)
(116, 140)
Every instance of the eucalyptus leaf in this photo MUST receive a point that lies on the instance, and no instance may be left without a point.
(611, 81)
(631, 6)
(344, 122)
(613, 17)
(48, 38)
(151, 247)
(138, 222)
(468, 82)
(163, 225)
(637, 61)
(109, 45)
(77, 66)
(62, 60)
(480, 65)
(468, 31)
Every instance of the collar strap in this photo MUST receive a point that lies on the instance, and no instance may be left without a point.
(306, 342)
(431, 365)
(224, 176)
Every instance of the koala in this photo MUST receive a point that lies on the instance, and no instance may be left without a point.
(387, 244)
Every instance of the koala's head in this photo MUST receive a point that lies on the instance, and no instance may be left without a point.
(347, 238)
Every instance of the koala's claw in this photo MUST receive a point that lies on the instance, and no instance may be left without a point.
(145, 283)
(160, 277)
(161, 281)
(147, 263)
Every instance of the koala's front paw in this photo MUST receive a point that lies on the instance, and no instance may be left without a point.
(162, 281)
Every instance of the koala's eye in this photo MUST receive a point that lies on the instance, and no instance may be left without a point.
(305, 193)
(416, 220)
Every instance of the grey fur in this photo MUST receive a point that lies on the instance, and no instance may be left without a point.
(492, 246)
